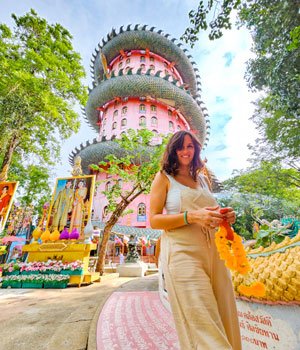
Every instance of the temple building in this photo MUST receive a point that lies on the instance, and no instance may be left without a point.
(142, 78)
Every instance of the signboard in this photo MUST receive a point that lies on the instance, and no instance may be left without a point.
(275, 327)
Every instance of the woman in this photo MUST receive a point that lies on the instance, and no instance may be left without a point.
(198, 283)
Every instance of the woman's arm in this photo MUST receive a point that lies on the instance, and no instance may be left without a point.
(158, 195)
(207, 217)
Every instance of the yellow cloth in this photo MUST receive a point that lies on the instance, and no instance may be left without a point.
(62, 206)
(198, 283)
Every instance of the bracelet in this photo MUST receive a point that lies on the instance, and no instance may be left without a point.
(185, 218)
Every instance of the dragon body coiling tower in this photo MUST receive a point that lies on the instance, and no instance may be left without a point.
(141, 78)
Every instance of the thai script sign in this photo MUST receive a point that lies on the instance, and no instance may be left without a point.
(275, 327)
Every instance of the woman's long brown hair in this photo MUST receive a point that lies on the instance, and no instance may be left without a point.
(170, 162)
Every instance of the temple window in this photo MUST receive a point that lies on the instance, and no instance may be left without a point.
(153, 108)
(142, 209)
(171, 126)
(153, 121)
(166, 64)
(105, 211)
(108, 186)
(120, 65)
(142, 121)
(127, 69)
(142, 59)
(123, 122)
(166, 72)
(114, 126)
(143, 67)
(178, 127)
(120, 183)
(124, 110)
(151, 59)
(169, 113)
(142, 108)
(152, 67)
(155, 131)
(128, 61)
(115, 114)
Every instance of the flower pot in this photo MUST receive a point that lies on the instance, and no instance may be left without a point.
(55, 285)
(5, 284)
(7, 273)
(30, 272)
(72, 272)
(15, 284)
(32, 285)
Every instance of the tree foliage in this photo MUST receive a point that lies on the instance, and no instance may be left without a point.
(40, 83)
(250, 207)
(274, 70)
(136, 169)
(269, 179)
(212, 14)
(34, 188)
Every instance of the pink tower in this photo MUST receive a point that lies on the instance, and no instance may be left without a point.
(141, 78)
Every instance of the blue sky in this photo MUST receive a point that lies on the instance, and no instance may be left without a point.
(221, 64)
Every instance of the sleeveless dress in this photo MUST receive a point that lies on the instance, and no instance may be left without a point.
(198, 283)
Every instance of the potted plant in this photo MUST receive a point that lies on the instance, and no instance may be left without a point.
(30, 268)
(56, 281)
(32, 281)
(11, 268)
(72, 268)
(12, 281)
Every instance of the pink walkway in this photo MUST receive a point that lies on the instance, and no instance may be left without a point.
(135, 321)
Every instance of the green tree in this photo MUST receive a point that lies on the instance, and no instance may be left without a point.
(274, 70)
(136, 169)
(269, 179)
(253, 207)
(40, 83)
(33, 186)
(213, 15)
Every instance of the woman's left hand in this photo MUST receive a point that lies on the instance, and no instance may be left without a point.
(229, 216)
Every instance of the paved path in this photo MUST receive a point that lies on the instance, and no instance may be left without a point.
(62, 319)
(51, 319)
(135, 320)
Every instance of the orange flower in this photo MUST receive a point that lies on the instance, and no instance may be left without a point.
(256, 289)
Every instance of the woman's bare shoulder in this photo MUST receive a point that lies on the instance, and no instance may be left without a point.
(161, 179)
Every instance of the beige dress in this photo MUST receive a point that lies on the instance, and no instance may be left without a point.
(198, 283)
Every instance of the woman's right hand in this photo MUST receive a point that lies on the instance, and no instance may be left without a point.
(208, 217)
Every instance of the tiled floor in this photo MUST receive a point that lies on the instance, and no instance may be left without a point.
(135, 321)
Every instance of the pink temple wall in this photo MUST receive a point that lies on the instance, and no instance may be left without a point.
(113, 116)
(130, 111)
(136, 59)
(132, 219)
